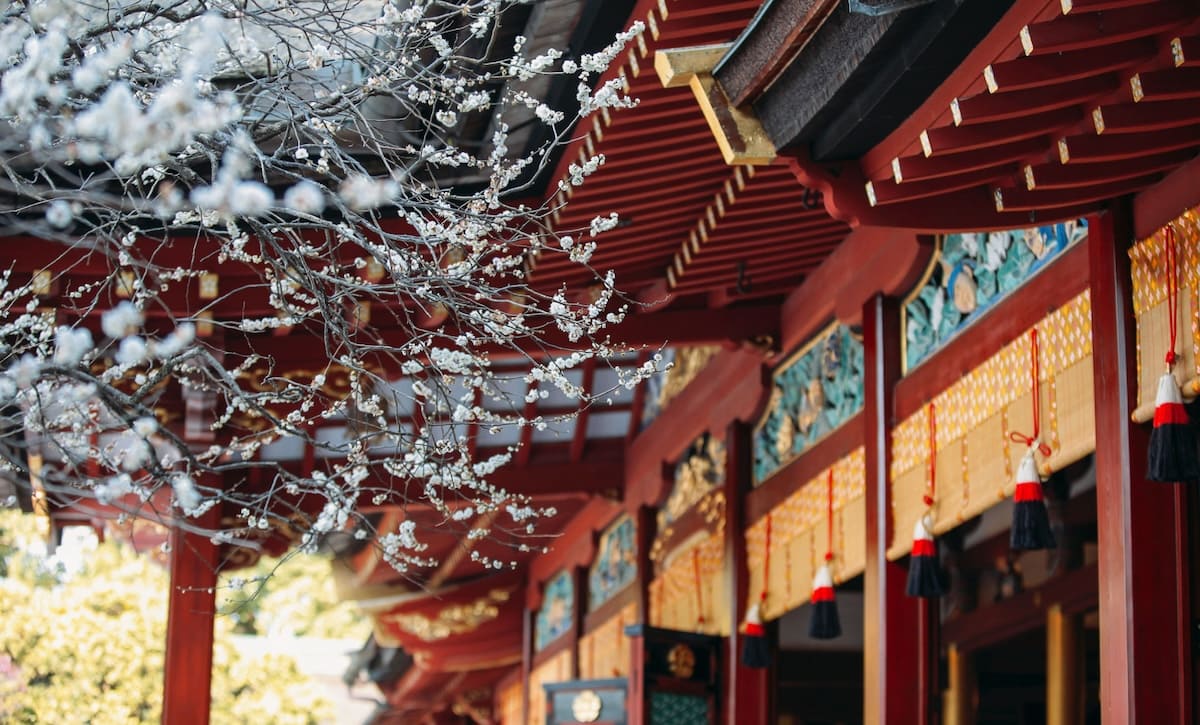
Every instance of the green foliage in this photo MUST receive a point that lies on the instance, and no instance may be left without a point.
(87, 646)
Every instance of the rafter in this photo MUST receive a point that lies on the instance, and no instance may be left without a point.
(984, 107)
(1185, 51)
(1166, 85)
(881, 192)
(1084, 31)
(1057, 176)
(1049, 70)
(1146, 116)
(1091, 148)
(916, 168)
(1018, 198)
(957, 139)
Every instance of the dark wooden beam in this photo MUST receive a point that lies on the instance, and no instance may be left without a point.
(1060, 69)
(1144, 573)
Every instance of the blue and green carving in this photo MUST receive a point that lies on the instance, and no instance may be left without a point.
(812, 394)
(616, 563)
(970, 273)
(558, 606)
(672, 708)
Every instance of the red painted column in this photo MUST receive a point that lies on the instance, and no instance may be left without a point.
(748, 691)
(187, 676)
(898, 630)
(1145, 638)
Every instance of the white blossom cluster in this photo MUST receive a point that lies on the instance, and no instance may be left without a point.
(237, 226)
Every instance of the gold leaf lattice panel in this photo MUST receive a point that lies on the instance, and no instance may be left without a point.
(976, 459)
(604, 651)
(555, 669)
(508, 703)
(800, 534)
(680, 596)
(1149, 271)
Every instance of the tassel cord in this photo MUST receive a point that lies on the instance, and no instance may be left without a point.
(931, 494)
(1034, 440)
(829, 542)
(699, 587)
(766, 561)
(1171, 259)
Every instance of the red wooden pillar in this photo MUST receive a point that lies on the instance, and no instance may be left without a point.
(187, 670)
(1145, 638)
(748, 693)
(898, 649)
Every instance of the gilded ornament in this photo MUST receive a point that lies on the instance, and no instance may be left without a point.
(681, 661)
(586, 706)
(453, 620)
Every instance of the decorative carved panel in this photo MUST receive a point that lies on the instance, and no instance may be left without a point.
(971, 272)
(815, 391)
(558, 606)
(616, 563)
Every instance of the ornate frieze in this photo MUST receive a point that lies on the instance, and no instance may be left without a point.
(972, 271)
(558, 605)
(615, 566)
(815, 391)
(699, 472)
(454, 619)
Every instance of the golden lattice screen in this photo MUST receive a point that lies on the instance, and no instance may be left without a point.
(604, 651)
(689, 593)
(975, 457)
(800, 534)
(555, 669)
(1148, 268)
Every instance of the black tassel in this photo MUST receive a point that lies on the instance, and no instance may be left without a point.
(755, 652)
(1031, 523)
(1173, 456)
(824, 623)
(924, 574)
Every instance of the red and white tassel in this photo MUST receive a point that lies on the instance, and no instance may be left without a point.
(824, 623)
(924, 577)
(1172, 456)
(755, 652)
(1031, 523)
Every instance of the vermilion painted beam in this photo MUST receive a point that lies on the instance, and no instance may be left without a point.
(984, 107)
(1052, 70)
(916, 168)
(973, 209)
(1146, 646)
(898, 671)
(1185, 51)
(191, 614)
(749, 690)
(1145, 116)
(1058, 176)
(1085, 31)
(957, 139)
(1092, 6)
(1019, 198)
(1162, 202)
(1166, 85)
(1091, 148)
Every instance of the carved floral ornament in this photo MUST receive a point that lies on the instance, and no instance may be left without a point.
(452, 620)
(814, 391)
(969, 273)
(700, 471)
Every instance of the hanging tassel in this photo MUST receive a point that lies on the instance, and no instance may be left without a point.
(1172, 455)
(1031, 522)
(755, 652)
(825, 623)
(924, 576)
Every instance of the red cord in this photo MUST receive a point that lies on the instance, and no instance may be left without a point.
(932, 455)
(1171, 254)
(699, 589)
(829, 547)
(1029, 440)
(766, 560)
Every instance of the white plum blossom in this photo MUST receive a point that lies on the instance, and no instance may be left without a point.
(305, 197)
(71, 344)
(122, 320)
